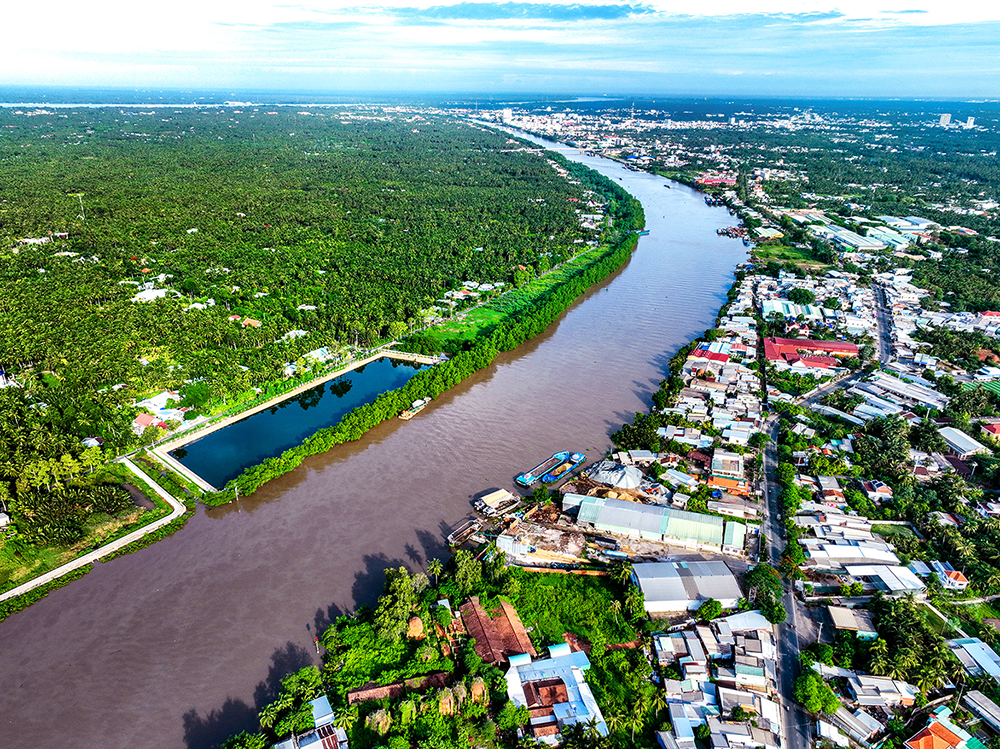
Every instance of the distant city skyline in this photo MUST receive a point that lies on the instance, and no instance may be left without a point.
(925, 48)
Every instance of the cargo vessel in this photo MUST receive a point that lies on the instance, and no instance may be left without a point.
(530, 477)
(561, 470)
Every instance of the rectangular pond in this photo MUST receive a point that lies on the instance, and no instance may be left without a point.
(224, 454)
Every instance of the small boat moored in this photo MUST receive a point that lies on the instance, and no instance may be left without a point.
(413, 410)
(564, 468)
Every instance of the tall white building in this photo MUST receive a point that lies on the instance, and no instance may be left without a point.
(971, 122)
(508, 115)
(945, 120)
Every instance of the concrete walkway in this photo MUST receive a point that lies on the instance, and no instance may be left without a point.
(178, 510)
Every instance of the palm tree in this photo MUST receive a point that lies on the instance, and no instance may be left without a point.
(615, 720)
(616, 608)
(638, 717)
(435, 567)
(346, 718)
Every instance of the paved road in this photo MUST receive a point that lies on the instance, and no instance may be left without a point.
(883, 324)
(178, 510)
(797, 727)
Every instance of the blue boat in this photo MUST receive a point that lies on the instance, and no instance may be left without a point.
(564, 468)
(643, 233)
(530, 477)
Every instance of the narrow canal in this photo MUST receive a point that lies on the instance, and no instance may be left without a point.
(179, 644)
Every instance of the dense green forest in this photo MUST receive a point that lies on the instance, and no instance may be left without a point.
(349, 225)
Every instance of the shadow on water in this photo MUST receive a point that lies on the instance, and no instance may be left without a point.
(215, 727)
(209, 731)
(369, 581)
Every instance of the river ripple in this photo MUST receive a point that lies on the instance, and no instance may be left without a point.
(170, 646)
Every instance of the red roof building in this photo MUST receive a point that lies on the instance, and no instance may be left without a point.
(807, 352)
(495, 639)
(935, 736)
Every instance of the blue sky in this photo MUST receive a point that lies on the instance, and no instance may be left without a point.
(907, 48)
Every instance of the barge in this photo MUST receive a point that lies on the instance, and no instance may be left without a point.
(530, 477)
(564, 468)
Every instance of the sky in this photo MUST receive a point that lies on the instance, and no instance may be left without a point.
(865, 48)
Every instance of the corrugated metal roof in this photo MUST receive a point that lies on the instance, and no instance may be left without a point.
(735, 534)
(590, 509)
(625, 517)
(691, 526)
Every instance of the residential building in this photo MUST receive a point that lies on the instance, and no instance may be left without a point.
(727, 464)
(881, 691)
(978, 658)
(325, 735)
(854, 620)
(960, 444)
(859, 725)
(948, 576)
(555, 692)
(941, 733)
(984, 708)
(894, 580)
(829, 732)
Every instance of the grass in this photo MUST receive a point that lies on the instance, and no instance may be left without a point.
(899, 531)
(467, 326)
(783, 254)
(976, 612)
(553, 604)
(932, 620)
(21, 562)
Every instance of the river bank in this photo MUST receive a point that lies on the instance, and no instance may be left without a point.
(244, 582)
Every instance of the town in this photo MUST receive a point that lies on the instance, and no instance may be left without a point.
(798, 522)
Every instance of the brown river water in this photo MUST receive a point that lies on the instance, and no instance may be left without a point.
(178, 645)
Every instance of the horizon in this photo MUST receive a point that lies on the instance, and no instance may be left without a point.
(68, 95)
(920, 49)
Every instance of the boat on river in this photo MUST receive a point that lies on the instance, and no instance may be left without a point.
(413, 410)
(561, 470)
(643, 233)
(530, 477)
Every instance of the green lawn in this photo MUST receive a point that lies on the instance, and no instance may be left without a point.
(899, 531)
(784, 254)
(554, 603)
(466, 326)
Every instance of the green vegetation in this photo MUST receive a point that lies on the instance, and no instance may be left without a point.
(75, 518)
(765, 590)
(804, 260)
(815, 694)
(407, 636)
(432, 382)
(352, 228)
(909, 648)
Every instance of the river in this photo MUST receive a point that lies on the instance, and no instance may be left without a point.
(177, 645)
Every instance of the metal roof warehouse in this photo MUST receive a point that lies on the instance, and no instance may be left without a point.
(682, 586)
(652, 522)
